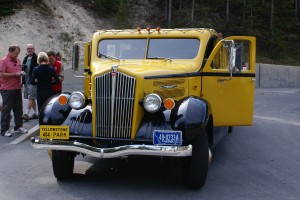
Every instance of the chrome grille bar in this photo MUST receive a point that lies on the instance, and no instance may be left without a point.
(114, 105)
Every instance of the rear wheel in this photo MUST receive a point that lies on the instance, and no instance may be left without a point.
(63, 164)
(196, 168)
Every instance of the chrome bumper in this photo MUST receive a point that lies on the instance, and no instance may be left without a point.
(121, 151)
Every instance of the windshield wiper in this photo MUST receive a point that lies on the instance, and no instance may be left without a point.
(158, 58)
(109, 57)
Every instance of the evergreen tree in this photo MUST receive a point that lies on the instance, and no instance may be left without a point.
(122, 15)
(105, 7)
(6, 7)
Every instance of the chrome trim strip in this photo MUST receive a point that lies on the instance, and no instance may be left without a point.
(113, 98)
(168, 86)
(121, 151)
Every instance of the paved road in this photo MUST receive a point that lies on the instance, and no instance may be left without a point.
(258, 162)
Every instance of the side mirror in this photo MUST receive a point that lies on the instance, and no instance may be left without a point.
(238, 56)
(232, 56)
(75, 59)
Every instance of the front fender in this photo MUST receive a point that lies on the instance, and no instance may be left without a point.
(190, 115)
(52, 113)
(79, 121)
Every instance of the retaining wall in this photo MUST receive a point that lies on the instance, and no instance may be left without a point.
(277, 76)
(267, 76)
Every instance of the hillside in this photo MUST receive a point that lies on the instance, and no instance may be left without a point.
(48, 27)
(57, 24)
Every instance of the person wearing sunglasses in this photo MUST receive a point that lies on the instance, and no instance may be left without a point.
(10, 86)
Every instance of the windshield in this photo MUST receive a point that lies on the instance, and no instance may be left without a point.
(162, 48)
(176, 48)
(122, 48)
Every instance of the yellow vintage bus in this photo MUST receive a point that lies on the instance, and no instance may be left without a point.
(151, 92)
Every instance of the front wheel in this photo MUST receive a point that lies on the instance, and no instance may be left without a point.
(63, 164)
(196, 168)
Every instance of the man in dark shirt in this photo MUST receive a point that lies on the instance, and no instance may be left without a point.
(30, 62)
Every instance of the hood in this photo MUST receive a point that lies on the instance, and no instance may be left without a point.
(146, 68)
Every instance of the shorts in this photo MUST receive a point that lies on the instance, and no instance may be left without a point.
(30, 91)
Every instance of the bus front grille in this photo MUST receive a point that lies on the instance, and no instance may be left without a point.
(114, 94)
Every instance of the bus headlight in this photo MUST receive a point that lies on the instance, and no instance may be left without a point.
(77, 100)
(152, 102)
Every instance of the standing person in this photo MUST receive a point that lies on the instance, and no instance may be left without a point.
(30, 62)
(10, 75)
(59, 70)
(43, 76)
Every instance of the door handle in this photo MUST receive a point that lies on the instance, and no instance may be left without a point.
(222, 80)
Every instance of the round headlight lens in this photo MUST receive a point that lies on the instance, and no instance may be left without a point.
(77, 100)
(152, 103)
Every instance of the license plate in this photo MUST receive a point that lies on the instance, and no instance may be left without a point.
(165, 137)
(54, 132)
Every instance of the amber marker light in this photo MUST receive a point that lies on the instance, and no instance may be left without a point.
(169, 103)
(157, 29)
(220, 34)
(63, 100)
(138, 29)
(148, 29)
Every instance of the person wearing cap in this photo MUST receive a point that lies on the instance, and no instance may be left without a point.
(10, 75)
(59, 70)
(29, 63)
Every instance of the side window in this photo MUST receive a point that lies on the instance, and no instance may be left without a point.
(245, 55)
(242, 56)
(221, 59)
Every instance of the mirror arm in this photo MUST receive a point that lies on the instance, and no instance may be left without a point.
(231, 61)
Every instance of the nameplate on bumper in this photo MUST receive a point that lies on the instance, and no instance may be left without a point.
(54, 132)
(166, 137)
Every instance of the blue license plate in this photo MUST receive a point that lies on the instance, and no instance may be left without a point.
(165, 137)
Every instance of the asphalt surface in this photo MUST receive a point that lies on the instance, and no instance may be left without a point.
(257, 162)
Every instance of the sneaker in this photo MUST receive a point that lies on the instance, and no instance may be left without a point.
(25, 117)
(34, 116)
(21, 130)
(7, 134)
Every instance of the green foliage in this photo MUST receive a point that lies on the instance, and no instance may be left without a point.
(277, 30)
(122, 15)
(66, 37)
(6, 7)
(105, 7)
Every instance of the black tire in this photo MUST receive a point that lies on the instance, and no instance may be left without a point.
(62, 164)
(196, 168)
